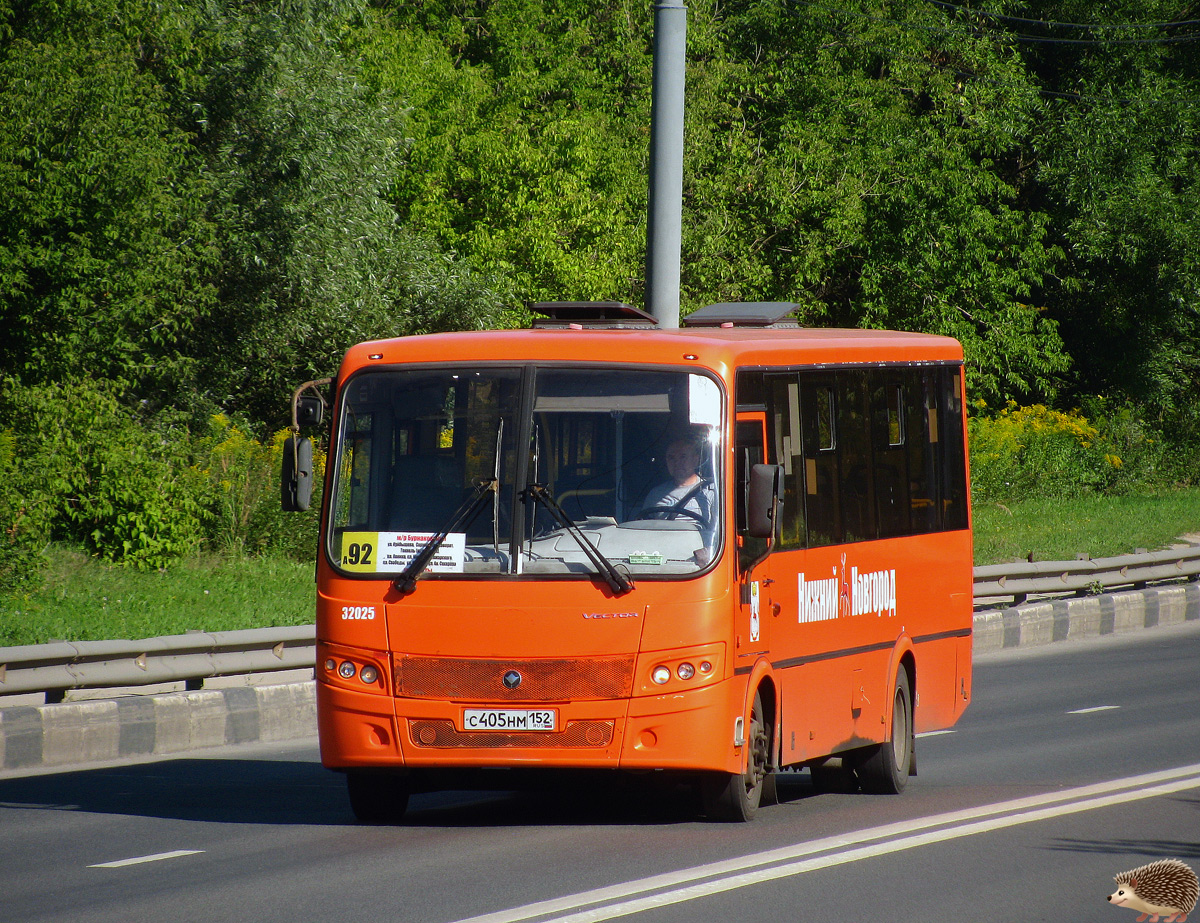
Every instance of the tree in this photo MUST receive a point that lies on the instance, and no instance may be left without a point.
(1119, 167)
(529, 125)
(867, 166)
(300, 152)
(102, 246)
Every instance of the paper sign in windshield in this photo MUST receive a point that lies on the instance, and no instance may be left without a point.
(391, 552)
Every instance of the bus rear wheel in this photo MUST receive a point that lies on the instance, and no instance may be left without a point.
(885, 767)
(736, 796)
(377, 796)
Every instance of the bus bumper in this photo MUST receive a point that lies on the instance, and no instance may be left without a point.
(693, 730)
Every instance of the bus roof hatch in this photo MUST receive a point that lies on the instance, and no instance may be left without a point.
(745, 314)
(607, 314)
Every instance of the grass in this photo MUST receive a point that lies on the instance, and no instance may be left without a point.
(1058, 530)
(81, 599)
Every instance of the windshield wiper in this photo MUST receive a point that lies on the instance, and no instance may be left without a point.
(618, 582)
(406, 582)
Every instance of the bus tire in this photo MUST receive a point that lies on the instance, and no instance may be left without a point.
(377, 796)
(885, 767)
(735, 796)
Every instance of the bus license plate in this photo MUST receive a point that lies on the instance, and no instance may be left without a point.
(510, 719)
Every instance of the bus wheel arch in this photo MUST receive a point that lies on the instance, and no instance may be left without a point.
(737, 796)
(884, 768)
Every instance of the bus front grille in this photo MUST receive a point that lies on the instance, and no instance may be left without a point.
(426, 732)
(543, 680)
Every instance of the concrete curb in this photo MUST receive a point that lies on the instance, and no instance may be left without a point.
(98, 730)
(141, 726)
(1047, 621)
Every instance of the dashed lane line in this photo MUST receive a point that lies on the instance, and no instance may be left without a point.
(138, 860)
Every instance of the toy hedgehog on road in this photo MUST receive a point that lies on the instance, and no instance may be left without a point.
(1166, 888)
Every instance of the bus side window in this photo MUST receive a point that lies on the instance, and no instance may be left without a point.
(922, 443)
(952, 457)
(818, 407)
(856, 462)
(889, 436)
(750, 450)
(785, 448)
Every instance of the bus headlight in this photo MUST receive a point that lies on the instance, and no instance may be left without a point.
(347, 670)
(681, 670)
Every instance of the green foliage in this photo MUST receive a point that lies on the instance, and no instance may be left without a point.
(77, 466)
(95, 475)
(300, 152)
(840, 162)
(527, 137)
(103, 248)
(1035, 452)
(24, 522)
(244, 515)
(202, 205)
(1118, 168)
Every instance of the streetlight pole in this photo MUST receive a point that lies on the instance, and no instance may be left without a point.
(665, 218)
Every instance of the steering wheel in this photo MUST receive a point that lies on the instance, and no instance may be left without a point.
(670, 512)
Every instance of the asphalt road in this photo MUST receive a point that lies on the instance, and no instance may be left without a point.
(1075, 762)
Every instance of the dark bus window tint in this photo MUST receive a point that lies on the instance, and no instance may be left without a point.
(892, 507)
(749, 390)
(920, 449)
(749, 450)
(817, 409)
(787, 447)
(856, 465)
(954, 467)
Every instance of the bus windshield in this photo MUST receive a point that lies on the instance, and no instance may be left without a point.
(527, 470)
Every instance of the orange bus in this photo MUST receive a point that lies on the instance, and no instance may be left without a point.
(720, 551)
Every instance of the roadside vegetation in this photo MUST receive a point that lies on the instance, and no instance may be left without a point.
(1048, 485)
(203, 205)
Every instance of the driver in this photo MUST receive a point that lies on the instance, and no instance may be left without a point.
(685, 494)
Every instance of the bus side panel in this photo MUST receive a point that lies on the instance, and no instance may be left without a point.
(843, 612)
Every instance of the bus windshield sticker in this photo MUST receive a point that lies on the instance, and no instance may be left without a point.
(391, 552)
(704, 405)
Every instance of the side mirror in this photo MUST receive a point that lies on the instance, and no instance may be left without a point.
(310, 410)
(763, 496)
(296, 483)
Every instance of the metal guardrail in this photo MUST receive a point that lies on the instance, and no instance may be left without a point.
(191, 658)
(194, 657)
(1053, 578)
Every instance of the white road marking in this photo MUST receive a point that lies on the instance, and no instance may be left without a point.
(1094, 708)
(717, 877)
(935, 733)
(138, 860)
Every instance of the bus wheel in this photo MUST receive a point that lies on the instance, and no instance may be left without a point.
(885, 767)
(377, 796)
(736, 796)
